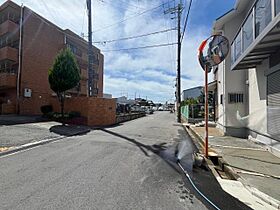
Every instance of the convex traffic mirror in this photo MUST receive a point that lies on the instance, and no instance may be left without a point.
(213, 51)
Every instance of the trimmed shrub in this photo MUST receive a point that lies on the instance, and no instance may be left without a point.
(46, 109)
(74, 114)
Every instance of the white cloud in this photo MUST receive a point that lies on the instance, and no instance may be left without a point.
(148, 72)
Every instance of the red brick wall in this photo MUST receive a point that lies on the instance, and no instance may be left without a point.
(41, 43)
(101, 111)
(98, 111)
(78, 104)
(10, 53)
(8, 95)
(8, 109)
(8, 80)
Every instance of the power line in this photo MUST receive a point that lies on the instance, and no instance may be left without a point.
(185, 10)
(133, 37)
(143, 47)
(85, 11)
(117, 6)
(131, 17)
(53, 13)
(171, 54)
(126, 3)
(171, 49)
(186, 20)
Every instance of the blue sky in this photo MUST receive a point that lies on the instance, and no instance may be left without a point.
(147, 73)
(205, 11)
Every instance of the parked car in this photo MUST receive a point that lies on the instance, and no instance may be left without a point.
(149, 111)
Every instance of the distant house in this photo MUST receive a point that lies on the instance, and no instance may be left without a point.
(107, 95)
(124, 100)
(192, 92)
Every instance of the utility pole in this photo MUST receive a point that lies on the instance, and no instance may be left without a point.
(178, 10)
(179, 64)
(90, 52)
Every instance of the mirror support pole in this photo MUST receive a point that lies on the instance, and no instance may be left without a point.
(206, 111)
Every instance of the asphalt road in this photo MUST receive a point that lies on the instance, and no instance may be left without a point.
(130, 166)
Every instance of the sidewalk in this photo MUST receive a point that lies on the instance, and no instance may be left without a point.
(16, 135)
(250, 163)
(20, 131)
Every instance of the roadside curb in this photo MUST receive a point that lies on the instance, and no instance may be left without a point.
(231, 173)
(264, 197)
(225, 167)
(193, 135)
(42, 142)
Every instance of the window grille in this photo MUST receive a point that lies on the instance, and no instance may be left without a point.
(235, 98)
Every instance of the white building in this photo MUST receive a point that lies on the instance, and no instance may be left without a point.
(107, 95)
(192, 92)
(248, 81)
(124, 100)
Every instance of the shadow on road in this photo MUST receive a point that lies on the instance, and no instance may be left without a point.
(69, 130)
(155, 148)
(19, 119)
(202, 177)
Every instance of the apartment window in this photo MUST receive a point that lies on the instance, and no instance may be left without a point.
(232, 50)
(74, 49)
(78, 88)
(262, 14)
(277, 7)
(247, 32)
(237, 48)
(96, 58)
(4, 41)
(13, 17)
(3, 18)
(235, 98)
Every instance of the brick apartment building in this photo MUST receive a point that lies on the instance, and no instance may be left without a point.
(27, 52)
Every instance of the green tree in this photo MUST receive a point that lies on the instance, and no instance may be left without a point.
(201, 98)
(64, 75)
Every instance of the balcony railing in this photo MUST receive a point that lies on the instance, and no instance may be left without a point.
(95, 91)
(9, 53)
(84, 75)
(261, 14)
(7, 80)
(12, 16)
(95, 76)
(9, 70)
(8, 26)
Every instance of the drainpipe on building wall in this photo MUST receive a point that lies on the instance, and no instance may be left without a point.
(224, 88)
(224, 97)
(19, 60)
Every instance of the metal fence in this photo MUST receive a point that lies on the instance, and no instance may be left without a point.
(195, 112)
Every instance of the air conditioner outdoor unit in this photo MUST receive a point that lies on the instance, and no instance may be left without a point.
(27, 92)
